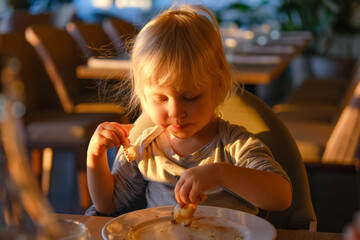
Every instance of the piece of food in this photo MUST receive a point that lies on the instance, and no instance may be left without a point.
(185, 214)
(130, 152)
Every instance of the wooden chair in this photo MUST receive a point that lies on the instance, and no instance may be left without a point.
(48, 128)
(60, 56)
(334, 140)
(91, 39)
(248, 110)
(330, 148)
(343, 146)
(319, 99)
(121, 33)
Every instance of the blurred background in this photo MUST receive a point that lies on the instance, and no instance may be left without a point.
(332, 54)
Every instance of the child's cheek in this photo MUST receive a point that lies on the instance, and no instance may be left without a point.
(159, 118)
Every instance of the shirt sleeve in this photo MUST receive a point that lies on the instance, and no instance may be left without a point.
(130, 186)
(246, 150)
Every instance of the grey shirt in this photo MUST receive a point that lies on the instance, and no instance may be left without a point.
(149, 180)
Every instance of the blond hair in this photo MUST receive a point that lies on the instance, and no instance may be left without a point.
(180, 47)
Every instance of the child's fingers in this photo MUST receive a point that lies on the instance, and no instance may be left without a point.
(110, 136)
(123, 131)
(195, 195)
(184, 192)
(177, 192)
(187, 192)
(110, 143)
(181, 190)
(118, 132)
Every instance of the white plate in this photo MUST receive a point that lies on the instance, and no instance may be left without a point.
(208, 223)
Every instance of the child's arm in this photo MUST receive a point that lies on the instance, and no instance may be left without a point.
(100, 179)
(266, 190)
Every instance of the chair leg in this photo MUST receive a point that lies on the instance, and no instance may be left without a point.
(46, 170)
(41, 163)
(80, 160)
(84, 195)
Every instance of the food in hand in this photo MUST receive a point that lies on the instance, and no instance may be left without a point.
(185, 214)
(130, 152)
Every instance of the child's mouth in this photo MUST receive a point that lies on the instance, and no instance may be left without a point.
(178, 127)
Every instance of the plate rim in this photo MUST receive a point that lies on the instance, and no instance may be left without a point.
(200, 207)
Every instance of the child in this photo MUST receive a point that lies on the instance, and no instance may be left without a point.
(181, 77)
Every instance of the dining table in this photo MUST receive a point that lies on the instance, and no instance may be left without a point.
(95, 225)
(250, 64)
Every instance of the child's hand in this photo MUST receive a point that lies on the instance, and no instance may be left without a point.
(194, 181)
(108, 135)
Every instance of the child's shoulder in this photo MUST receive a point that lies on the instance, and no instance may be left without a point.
(226, 126)
(229, 130)
(148, 135)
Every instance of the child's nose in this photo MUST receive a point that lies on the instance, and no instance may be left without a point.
(176, 109)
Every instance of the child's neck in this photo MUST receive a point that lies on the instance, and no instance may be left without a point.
(186, 146)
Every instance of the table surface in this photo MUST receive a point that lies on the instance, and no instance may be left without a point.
(245, 73)
(95, 225)
(253, 68)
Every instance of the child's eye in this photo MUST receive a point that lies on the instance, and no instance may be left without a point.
(191, 98)
(159, 98)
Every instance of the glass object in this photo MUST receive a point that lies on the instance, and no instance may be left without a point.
(72, 230)
(24, 212)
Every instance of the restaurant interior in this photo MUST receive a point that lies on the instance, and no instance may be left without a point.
(300, 58)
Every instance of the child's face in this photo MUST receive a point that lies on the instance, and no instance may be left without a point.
(184, 113)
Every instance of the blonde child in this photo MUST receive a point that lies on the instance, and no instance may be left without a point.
(180, 78)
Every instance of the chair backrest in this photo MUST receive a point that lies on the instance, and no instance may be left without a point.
(19, 20)
(91, 39)
(63, 14)
(248, 110)
(120, 32)
(32, 73)
(60, 56)
(343, 145)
